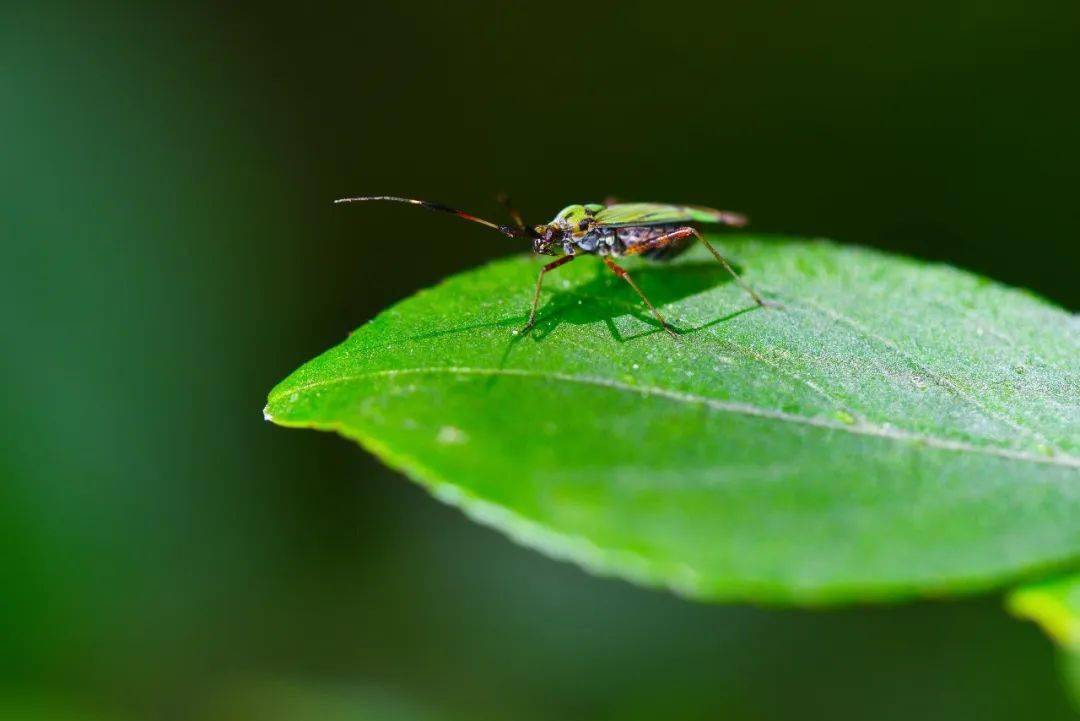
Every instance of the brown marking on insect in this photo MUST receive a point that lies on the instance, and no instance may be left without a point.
(735, 220)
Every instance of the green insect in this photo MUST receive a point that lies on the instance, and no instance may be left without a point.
(652, 230)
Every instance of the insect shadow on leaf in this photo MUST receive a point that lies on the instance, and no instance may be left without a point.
(604, 298)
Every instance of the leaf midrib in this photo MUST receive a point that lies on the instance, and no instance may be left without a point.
(859, 428)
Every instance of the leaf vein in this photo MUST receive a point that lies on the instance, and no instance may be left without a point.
(937, 377)
(858, 428)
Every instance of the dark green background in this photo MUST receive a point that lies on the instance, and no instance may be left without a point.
(170, 252)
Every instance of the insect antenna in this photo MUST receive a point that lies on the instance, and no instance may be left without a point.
(506, 230)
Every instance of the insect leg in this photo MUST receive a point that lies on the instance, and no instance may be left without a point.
(504, 200)
(619, 271)
(727, 266)
(539, 282)
(683, 233)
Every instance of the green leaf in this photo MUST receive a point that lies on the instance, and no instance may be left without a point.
(1069, 662)
(894, 428)
(297, 700)
(1055, 606)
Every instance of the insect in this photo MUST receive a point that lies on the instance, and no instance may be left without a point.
(653, 230)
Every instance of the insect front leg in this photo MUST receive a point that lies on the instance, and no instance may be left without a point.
(539, 282)
(621, 272)
(683, 233)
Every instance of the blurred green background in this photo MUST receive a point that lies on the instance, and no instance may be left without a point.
(171, 252)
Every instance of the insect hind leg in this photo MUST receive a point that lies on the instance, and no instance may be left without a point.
(681, 235)
(621, 272)
(668, 250)
(727, 266)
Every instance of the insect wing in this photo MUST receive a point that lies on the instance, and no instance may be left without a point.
(625, 215)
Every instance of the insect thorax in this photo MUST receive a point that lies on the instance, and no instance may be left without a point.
(614, 241)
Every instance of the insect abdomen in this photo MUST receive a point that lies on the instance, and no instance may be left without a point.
(628, 238)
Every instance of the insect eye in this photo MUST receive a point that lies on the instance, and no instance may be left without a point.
(583, 225)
